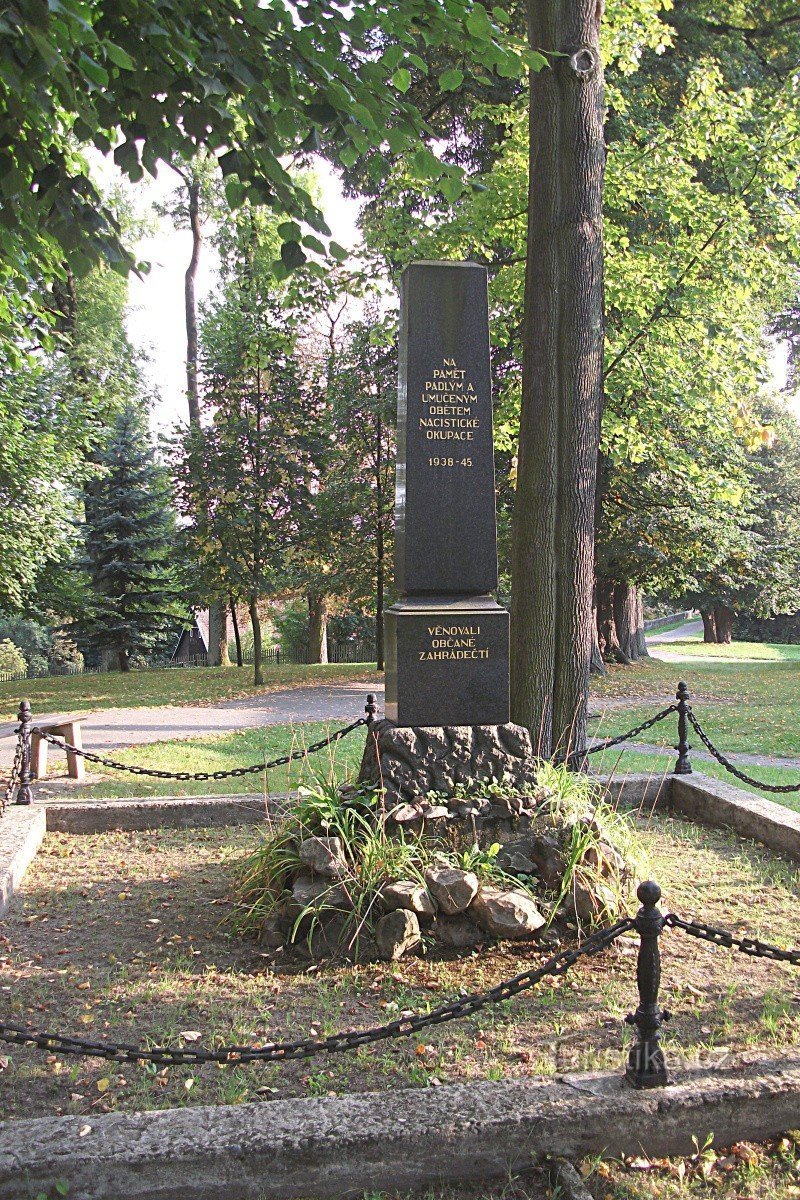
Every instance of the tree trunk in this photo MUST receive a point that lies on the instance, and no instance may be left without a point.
(218, 634)
(641, 640)
(380, 552)
(190, 301)
(123, 660)
(606, 626)
(237, 636)
(255, 621)
(553, 523)
(723, 620)
(626, 619)
(596, 664)
(380, 588)
(709, 625)
(317, 627)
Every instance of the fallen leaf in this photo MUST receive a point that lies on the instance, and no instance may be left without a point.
(84, 1129)
(191, 1035)
(103, 1084)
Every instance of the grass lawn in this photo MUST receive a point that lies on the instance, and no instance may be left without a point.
(143, 689)
(221, 752)
(754, 651)
(121, 936)
(744, 706)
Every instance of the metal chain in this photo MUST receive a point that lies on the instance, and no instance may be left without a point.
(721, 937)
(622, 737)
(784, 789)
(16, 770)
(200, 776)
(559, 964)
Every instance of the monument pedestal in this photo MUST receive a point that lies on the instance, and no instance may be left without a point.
(447, 661)
(411, 763)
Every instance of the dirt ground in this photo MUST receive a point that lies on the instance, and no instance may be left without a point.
(122, 936)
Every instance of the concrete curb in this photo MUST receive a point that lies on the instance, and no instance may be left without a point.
(402, 1140)
(712, 802)
(165, 812)
(21, 831)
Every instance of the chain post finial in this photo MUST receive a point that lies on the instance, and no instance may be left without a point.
(646, 1066)
(371, 708)
(24, 735)
(682, 765)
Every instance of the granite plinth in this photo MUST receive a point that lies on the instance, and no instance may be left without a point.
(447, 661)
(446, 536)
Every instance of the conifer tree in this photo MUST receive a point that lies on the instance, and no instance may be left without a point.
(129, 537)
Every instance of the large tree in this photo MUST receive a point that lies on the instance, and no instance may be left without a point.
(132, 599)
(158, 80)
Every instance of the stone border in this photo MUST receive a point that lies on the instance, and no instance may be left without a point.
(410, 1138)
(22, 829)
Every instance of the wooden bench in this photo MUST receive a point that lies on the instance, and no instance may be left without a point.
(63, 725)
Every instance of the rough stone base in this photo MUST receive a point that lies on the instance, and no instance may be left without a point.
(390, 1141)
(410, 762)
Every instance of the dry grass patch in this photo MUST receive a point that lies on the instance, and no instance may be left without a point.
(118, 936)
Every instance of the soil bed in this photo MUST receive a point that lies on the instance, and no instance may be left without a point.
(119, 937)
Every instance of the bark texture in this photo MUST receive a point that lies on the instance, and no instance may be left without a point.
(255, 621)
(317, 627)
(553, 527)
(190, 299)
(236, 633)
(709, 625)
(218, 634)
(723, 620)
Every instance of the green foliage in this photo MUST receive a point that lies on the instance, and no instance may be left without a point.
(11, 657)
(701, 233)
(159, 80)
(129, 537)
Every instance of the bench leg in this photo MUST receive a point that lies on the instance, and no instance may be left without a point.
(75, 768)
(38, 756)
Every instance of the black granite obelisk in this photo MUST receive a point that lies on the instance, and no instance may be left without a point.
(446, 638)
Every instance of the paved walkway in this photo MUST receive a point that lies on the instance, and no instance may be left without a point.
(689, 629)
(114, 728)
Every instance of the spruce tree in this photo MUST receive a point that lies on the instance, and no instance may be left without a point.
(129, 537)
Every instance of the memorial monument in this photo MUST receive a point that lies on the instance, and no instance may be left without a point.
(447, 639)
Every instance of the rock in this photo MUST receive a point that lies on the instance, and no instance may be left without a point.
(506, 914)
(396, 933)
(317, 892)
(545, 853)
(410, 763)
(515, 863)
(592, 899)
(404, 814)
(436, 812)
(607, 860)
(324, 856)
(453, 890)
(408, 895)
(272, 934)
(459, 933)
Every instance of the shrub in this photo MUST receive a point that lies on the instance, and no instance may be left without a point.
(11, 657)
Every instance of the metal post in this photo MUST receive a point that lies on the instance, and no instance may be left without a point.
(683, 766)
(24, 735)
(371, 708)
(646, 1067)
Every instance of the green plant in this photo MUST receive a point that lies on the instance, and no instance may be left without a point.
(372, 857)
